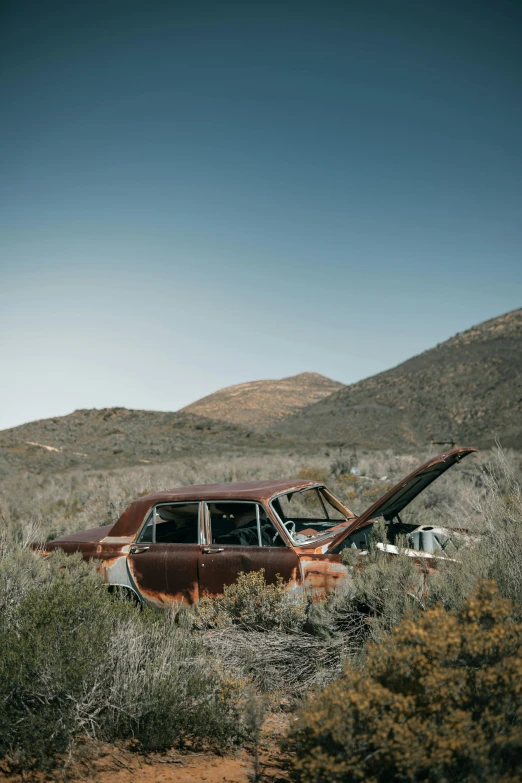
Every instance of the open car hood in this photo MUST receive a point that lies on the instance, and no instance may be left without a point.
(399, 496)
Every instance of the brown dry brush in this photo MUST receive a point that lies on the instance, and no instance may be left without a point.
(276, 637)
(288, 662)
(492, 513)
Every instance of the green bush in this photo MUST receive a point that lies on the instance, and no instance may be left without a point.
(52, 644)
(74, 660)
(253, 604)
(20, 572)
(440, 699)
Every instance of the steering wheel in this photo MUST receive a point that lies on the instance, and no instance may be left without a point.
(287, 526)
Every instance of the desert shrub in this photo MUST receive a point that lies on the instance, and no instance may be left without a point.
(20, 572)
(493, 515)
(165, 688)
(439, 699)
(251, 603)
(347, 488)
(348, 481)
(340, 466)
(314, 473)
(278, 661)
(51, 647)
(74, 660)
(383, 587)
(276, 637)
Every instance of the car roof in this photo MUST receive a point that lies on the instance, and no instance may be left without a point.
(261, 491)
(240, 490)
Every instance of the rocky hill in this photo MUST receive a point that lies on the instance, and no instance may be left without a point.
(114, 437)
(259, 404)
(467, 389)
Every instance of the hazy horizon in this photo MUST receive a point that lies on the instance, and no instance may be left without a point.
(197, 196)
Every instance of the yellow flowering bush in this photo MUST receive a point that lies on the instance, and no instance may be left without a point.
(440, 699)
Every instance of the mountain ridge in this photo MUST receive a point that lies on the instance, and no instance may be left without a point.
(259, 404)
(468, 388)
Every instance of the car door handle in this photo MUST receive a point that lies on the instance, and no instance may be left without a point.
(207, 550)
(135, 550)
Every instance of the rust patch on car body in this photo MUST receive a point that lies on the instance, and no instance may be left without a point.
(321, 574)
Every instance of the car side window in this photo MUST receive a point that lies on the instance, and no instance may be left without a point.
(172, 523)
(236, 524)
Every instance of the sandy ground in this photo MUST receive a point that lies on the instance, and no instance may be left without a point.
(212, 769)
(108, 764)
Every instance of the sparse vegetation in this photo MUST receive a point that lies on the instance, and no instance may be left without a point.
(75, 661)
(385, 588)
(258, 404)
(493, 516)
(266, 633)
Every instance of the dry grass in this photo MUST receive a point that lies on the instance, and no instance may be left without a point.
(48, 505)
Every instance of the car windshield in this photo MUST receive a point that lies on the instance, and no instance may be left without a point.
(310, 513)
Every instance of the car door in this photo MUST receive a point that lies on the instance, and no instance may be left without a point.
(163, 562)
(242, 538)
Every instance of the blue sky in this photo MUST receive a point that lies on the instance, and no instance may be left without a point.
(199, 194)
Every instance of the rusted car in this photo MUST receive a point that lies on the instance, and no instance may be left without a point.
(180, 544)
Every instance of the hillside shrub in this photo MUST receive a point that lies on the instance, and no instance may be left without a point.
(20, 572)
(341, 466)
(440, 699)
(288, 663)
(277, 638)
(165, 688)
(383, 587)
